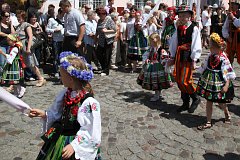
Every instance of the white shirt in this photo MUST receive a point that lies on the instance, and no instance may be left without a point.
(72, 22)
(123, 27)
(236, 22)
(51, 26)
(91, 27)
(206, 19)
(196, 46)
(151, 28)
(130, 28)
(13, 19)
(162, 16)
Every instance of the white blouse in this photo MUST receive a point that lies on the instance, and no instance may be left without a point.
(88, 138)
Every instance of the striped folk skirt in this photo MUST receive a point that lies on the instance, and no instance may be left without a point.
(210, 85)
(153, 77)
(137, 47)
(13, 73)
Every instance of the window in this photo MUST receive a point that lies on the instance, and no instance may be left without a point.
(93, 3)
(140, 3)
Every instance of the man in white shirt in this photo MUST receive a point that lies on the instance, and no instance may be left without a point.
(233, 34)
(74, 25)
(13, 18)
(206, 22)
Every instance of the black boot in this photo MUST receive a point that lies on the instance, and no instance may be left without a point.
(185, 106)
(195, 102)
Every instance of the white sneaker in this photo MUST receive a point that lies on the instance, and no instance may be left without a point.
(21, 91)
(154, 98)
(103, 74)
(114, 67)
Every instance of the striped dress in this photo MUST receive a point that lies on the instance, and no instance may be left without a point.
(12, 70)
(153, 75)
(214, 77)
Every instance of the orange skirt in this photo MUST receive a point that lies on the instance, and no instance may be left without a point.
(234, 48)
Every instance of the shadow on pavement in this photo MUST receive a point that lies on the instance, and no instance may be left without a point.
(234, 109)
(227, 156)
(169, 110)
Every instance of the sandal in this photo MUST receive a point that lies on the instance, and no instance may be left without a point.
(205, 126)
(227, 119)
(41, 82)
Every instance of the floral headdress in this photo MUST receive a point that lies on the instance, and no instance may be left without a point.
(85, 75)
(216, 38)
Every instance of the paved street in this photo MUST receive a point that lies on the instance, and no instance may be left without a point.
(132, 127)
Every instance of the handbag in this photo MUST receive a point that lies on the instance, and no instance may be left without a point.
(109, 35)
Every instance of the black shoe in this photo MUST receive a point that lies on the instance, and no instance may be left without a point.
(184, 107)
(194, 105)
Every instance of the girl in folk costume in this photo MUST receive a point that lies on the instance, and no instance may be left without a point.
(153, 75)
(12, 71)
(233, 34)
(215, 82)
(168, 27)
(185, 49)
(73, 121)
(138, 43)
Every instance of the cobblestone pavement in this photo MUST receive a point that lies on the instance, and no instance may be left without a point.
(132, 127)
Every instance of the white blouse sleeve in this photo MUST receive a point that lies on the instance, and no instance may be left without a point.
(88, 138)
(145, 56)
(225, 28)
(196, 47)
(173, 44)
(11, 56)
(227, 70)
(204, 65)
(236, 22)
(49, 28)
(54, 113)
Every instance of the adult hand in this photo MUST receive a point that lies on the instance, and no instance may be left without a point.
(28, 51)
(67, 151)
(78, 44)
(104, 30)
(37, 113)
(230, 15)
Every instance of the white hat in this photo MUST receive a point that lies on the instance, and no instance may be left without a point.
(209, 6)
(215, 6)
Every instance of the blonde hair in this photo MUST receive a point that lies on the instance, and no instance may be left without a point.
(155, 37)
(80, 64)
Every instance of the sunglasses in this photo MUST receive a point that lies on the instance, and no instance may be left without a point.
(6, 16)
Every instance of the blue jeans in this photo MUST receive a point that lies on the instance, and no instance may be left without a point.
(2, 58)
(57, 48)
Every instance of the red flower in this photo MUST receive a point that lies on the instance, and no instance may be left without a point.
(94, 107)
(74, 110)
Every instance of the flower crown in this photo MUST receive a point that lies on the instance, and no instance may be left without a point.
(85, 75)
(216, 38)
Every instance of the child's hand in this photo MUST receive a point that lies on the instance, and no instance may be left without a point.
(224, 89)
(170, 62)
(147, 61)
(67, 151)
(194, 65)
(37, 113)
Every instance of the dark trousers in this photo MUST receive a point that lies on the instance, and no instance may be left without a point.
(123, 52)
(69, 45)
(91, 55)
(57, 49)
(104, 56)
